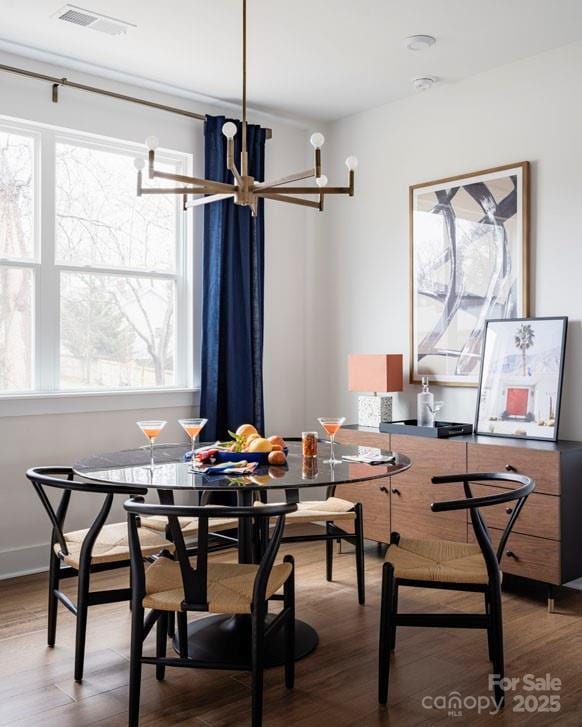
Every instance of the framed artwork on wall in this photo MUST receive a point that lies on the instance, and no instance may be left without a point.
(521, 378)
(469, 258)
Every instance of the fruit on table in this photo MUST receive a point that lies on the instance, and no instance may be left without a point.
(277, 458)
(260, 445)
(279, 441)
(245, 430)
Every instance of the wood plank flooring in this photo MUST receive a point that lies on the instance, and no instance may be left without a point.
(336, 685)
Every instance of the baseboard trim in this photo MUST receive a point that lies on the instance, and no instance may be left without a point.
(15, 562)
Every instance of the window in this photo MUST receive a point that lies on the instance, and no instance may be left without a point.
(94, 289)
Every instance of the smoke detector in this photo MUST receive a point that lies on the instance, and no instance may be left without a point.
(419, 42)
(423, 83)
(90, 19)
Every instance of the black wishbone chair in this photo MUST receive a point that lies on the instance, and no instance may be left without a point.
(332, 511)
(83, 552)
(196, 584)
(454, 566)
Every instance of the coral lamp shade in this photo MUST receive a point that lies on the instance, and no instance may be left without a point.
(375, 372)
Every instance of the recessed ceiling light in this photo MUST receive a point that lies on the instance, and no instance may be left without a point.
(419, 42)
(423, 83)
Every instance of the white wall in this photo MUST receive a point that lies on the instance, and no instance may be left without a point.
(529, 110)
(62, 438)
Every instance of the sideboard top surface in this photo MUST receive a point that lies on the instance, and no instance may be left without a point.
(562, 445)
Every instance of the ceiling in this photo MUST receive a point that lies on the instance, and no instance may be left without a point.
(319, 59)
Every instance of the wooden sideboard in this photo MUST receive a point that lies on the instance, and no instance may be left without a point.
(546, 542)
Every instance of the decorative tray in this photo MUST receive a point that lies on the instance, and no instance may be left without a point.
(441, 430)
(224, 455)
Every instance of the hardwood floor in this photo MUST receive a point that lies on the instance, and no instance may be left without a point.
(336, 685)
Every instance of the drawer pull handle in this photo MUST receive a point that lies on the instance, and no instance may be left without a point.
(510, 468)
(395, 491)
(383, 489)
(509, 510)
(510, 554)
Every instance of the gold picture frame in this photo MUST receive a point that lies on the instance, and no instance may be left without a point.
(469, 262)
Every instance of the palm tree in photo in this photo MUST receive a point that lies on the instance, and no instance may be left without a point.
(524, 339)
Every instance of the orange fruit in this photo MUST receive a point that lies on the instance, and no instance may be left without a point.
(245, 430)
(260, 445)
(275, 439)
(277, 458)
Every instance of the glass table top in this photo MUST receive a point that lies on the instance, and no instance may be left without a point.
(171, 472)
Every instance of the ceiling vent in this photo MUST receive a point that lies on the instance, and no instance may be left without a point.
(95, 21)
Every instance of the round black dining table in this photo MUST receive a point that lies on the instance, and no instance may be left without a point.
(225, 639)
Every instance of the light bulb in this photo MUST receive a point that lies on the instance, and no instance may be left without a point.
(229, 130)
(352, 163)
(139, 163)
(321, 181)
(152, 143)
(317, 140)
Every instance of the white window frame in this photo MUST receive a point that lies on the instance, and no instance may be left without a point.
(45, 396)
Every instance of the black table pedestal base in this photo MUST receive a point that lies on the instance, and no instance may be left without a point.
(224, 641)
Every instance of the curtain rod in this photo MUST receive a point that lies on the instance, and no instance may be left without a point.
(103, 92)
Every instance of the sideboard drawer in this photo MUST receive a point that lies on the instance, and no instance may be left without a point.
(543, 467)
(529, 557)
(413, 491)
(539, 516)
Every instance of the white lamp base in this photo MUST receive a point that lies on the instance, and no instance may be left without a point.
(374, 410)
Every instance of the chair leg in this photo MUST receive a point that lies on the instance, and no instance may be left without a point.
(161, 643)
(497, 642)
(183, 634)
(53, 603)
(360, 566)
(257, 663)
(82, 607)
(171, 624)
(328, 555)
(394, 612)
(289, 604)
(137, 616)
(490, 632)
(386, 618)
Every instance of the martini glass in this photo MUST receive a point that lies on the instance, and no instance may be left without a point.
(152, 428)
(331, 425)
(193, 427)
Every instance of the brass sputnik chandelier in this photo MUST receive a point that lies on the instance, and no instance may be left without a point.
(244, 189)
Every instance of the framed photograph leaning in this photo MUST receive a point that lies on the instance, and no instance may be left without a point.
(469, 255)
(521, 378)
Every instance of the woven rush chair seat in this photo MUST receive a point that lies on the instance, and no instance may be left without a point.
(189, 525)
(230, 585)
(111, 544)
(334, 508)
(440, 561)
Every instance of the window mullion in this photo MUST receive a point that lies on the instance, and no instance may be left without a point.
(48, 306)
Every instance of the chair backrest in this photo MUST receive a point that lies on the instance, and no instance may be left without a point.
(195, 576)
(519, 495)
(62, 478)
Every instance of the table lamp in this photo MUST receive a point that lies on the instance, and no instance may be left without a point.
(376, 373)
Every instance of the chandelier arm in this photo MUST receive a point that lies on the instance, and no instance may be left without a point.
(210, 183)
(288, 199)
(207, 200)
(236, 174)
(297, 177)
(311, 190)
(174, 190)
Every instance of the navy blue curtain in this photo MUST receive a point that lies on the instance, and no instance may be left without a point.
(233, 292)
